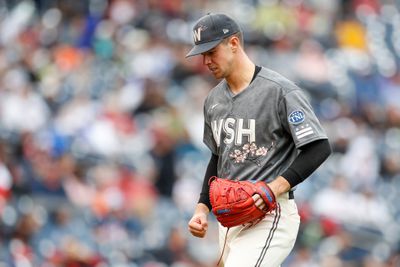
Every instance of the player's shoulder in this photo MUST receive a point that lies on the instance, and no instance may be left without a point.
(280, 81)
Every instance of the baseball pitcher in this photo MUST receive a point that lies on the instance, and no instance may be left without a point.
(264, 138)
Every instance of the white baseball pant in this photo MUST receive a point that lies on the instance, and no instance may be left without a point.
(265, 244)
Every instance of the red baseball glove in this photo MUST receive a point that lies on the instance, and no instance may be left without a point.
(232, 201)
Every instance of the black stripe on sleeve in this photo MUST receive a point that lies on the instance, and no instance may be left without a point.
(211, 171)
(310, 158)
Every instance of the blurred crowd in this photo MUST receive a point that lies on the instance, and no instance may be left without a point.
(101, 153)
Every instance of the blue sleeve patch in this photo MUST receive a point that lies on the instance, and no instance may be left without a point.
(296, 117)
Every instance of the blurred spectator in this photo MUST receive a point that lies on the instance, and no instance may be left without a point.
(5, 178)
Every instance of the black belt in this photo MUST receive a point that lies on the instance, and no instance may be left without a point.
(291, 195)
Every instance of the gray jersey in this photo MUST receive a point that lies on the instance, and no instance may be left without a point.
(256, 133)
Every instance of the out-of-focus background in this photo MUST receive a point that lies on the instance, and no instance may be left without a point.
(101, 154)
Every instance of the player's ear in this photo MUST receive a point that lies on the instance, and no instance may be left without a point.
(234, 43)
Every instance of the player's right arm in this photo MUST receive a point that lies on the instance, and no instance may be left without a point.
(198, 224)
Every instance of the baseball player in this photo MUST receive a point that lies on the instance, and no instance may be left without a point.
(259, 126)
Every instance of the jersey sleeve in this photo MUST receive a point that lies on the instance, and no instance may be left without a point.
(299, 119)
(208, 138)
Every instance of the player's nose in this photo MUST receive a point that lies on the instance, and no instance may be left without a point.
(206, 60)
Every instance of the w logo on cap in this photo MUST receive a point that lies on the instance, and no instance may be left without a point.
(197, 33)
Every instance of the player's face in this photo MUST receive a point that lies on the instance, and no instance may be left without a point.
(218, 60)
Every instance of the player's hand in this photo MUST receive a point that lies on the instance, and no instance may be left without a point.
(198, 225)
(259, 202)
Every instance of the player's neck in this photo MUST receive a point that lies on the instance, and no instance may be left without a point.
(242, 74)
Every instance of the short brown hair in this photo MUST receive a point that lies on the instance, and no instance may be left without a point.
(239, 35)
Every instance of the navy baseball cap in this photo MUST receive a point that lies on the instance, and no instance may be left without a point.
(210, 30)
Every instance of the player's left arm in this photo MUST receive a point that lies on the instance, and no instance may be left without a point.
(299, 120)
(311, 156)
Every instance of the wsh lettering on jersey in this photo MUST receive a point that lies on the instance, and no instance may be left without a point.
(234, 130)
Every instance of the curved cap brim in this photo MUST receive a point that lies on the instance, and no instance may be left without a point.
(201, 48)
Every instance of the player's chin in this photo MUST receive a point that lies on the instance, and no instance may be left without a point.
(217, 75)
